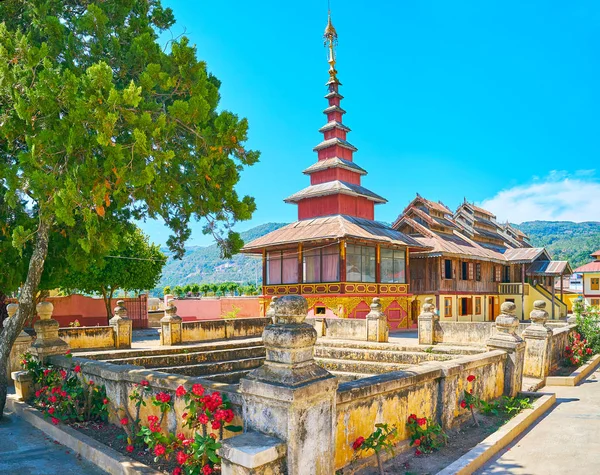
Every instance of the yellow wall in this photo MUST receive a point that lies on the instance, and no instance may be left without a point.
(587, 287)
(528, 300)
(480, 317)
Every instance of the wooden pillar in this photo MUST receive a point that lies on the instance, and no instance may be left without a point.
(407, 269)
(562, 288)
(300, 266)
(264, 268)
(522, 291)
(377, 263)
(342, 264)
(553, 297)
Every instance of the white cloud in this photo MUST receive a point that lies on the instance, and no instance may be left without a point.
(558, 197)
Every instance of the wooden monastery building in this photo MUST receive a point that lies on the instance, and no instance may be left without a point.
(475, 264)
(336, 255)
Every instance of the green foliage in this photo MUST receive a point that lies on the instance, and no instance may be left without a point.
(381, 438)
(167, 290)
(233, 313)
(588, 324)
(426, 435)
(101, 125)
(511, 406)
(564, 240)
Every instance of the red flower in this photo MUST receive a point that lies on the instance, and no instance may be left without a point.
(181, 457)
(463, 403)
(105, 401)
(180, 391)
(213, 436)
(186, 442)
(198, 389)
(51, 410)
(422, 421)
(358, 443)
(77, 368)
(52, 399)
(55, 421)
(184, 415)
(229, 416)
(177, 471)
(144, 383)
(37, 393)
(129, 448)
(68, 352)
(418, 452)
(216, 425)
(159, 450)
(163, 397)
(124, 421)
(91, 383)
(417, 442)
(203, 419)
(471, 378)
(470, 406)
(206, 470)
(63, 374)
(588, 351)
(181, 436)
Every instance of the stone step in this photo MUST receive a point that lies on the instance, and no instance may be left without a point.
(196, 357)
(232, 377)
(358, 367)
(170, 350)
(360, 354)
(344, 377)
(440, 349)
(204, 369)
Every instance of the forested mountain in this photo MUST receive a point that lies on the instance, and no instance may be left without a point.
(565, 241)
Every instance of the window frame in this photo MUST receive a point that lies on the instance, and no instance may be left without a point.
(393, 259)
(446, 261)
(478, 307)
(294, 256)
(361, 260)
(478, 272)
(447, 307)
(335, 248)
(594, 283)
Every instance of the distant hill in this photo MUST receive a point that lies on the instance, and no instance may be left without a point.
(565, 240)
(204, 265)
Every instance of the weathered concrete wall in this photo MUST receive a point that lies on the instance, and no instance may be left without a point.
(560, 339)
(473, 333)
(212, 308)
(88, 337)
(432, 390)
(119, 381)
(208, 330)
(342, 328)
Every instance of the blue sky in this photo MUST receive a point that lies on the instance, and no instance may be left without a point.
(496, 101)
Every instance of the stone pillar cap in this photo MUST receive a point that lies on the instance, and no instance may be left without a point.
(539, 304)
(44, 310)
(120, 310)
(11, 309)
(508, 308)
(290, 309)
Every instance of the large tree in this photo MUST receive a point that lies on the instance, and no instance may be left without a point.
(100, 124)
(133, 265)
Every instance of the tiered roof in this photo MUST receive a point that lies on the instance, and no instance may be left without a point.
(472, 232)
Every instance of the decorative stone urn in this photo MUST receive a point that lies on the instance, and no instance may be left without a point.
(505, 338)
(47, 341)
(122, 326)
(427, 323)
(291, 389)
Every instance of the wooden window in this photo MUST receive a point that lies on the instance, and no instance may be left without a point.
(282, 267)
(465, 306)
(497, 274)
(471, 271)
(447, 269)
(360, 263)
(321, 264)
(393, 266)
(477, 305)
(506, 274)
(447, 306)
(320, 311)
(464, 270)
(595, 302)
(595, 284)
(478, 272)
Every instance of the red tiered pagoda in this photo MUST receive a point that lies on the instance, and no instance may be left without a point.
(336, 255)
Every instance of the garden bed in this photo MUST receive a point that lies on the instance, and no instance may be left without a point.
(461, 440)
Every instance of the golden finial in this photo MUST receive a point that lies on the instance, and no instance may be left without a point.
(330, 37)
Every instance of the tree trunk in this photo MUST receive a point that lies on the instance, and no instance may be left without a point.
(26, 305)
(107, 296)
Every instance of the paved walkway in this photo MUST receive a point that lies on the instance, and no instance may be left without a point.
(25, 450)
(565, 440)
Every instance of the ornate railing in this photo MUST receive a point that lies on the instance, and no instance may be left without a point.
(513, 289)
(351, 288)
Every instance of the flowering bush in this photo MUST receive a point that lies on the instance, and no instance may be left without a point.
(204, 413)
(470, 400)
(381, 438)
(66, 396)
(425, 435)
(578, 351)
(131, 424)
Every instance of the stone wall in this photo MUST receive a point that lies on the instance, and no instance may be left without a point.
(212, 308)
(342, 328)
(208, 330)
(119, 381)
(88, 337)
(432, 390)
(560, 339)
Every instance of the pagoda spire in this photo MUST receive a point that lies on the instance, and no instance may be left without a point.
(330, 36)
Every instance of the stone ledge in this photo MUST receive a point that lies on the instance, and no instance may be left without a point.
(486, 449)
(95, 452)
(252, 449)
(576, 376)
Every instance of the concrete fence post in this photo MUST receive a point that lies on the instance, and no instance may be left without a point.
(170, 325)
(22, 343)
(538, 343)
(122, 326)
(290, 398)
(427, 323)
(47, 342)
(377, 325)
(507, 339)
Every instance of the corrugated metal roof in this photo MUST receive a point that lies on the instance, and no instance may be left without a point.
(332, 227)
(552, 268)
(334, 187)
(525, 254)
(590, 267)
(334, 124)
(334, 141)
(596, 254)
(334, 162)
(334, 109)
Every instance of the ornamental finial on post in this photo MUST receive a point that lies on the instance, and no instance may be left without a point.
(330, 40)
